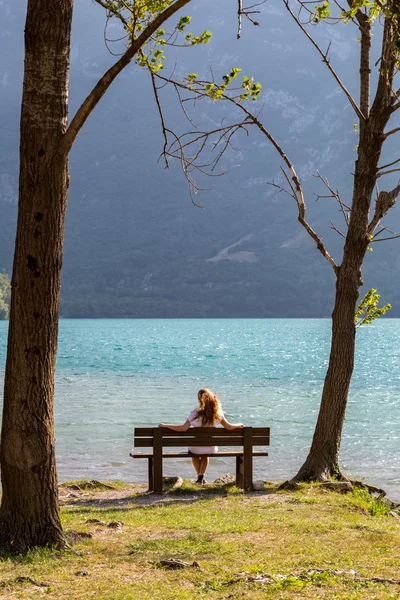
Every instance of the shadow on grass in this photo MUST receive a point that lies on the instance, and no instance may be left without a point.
(188, 493)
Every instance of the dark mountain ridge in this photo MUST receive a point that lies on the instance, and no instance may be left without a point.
(135, 246)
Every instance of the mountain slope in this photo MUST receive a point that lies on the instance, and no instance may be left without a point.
(134, 244)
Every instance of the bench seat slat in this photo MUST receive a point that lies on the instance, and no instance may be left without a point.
(195, 441)
(200, 431)
(222, 454)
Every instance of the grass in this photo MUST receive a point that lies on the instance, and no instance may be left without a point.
(287, 545)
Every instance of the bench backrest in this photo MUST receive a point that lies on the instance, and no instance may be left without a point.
(148, 437)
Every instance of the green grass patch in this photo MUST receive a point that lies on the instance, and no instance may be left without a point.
(375, 506)
(288, 545)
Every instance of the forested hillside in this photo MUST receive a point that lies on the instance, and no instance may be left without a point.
(4, 296)
(135, 245)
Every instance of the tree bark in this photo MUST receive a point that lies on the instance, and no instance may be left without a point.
(29, 512)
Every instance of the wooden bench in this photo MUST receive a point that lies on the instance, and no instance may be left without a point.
(160, 438)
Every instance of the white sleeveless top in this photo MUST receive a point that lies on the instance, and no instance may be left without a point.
(195, 421)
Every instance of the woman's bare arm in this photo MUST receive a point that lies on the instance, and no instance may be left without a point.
(228, 425)
(183, 427)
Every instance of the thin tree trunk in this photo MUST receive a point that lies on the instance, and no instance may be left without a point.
(29, 512)
(322, 460)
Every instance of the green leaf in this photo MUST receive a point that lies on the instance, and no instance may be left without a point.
(368, 310)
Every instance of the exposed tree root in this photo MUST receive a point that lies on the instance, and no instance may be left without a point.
(337, 486)
(327, 475)
(319, 472)
(377, 580)
(309, 576)
(371, 489)
(176, 563)
(22, 542)
(331, 477)
(289, 486)
(340, 484)
(31, 581)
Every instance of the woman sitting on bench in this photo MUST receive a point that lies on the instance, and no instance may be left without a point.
(208, 414)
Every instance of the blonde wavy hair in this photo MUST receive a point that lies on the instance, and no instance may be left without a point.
(210, 407)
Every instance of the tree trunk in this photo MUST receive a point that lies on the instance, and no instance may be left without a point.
(29, 512)
(322, 460)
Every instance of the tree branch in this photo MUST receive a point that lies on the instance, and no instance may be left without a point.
(111, 9)
(198, 89)
(240, 12)
(388, 165)
(332, 226)
(325, 60)
(387, 172)
(336, 195)
(246, 12)
(393, 237)
(297, 191)
(160, 112)
(105, 81)
(396, 130)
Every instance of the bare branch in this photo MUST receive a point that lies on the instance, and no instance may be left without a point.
(394, 237)
(382, 229)
(397, 129)
(193, 187)
(107, 40)
(281, 188)
(111, 9)
(335, 194)
(332, 226)
(160, 112)
(293, 194)
(178, 92)
(105, 81)
(325, 60)
(388, 165)
(240, 12)
(387, 172)
(297, 191)
(246, 12)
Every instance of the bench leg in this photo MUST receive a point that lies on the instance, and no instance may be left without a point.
(157, 462)
(239, 472)
(247, 460)
(248, 474)
(150, 473)
(157, 475)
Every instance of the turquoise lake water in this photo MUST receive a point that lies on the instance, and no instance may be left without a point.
(113, 375)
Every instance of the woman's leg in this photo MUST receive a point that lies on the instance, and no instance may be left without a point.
(196, 460)
(204, 461)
